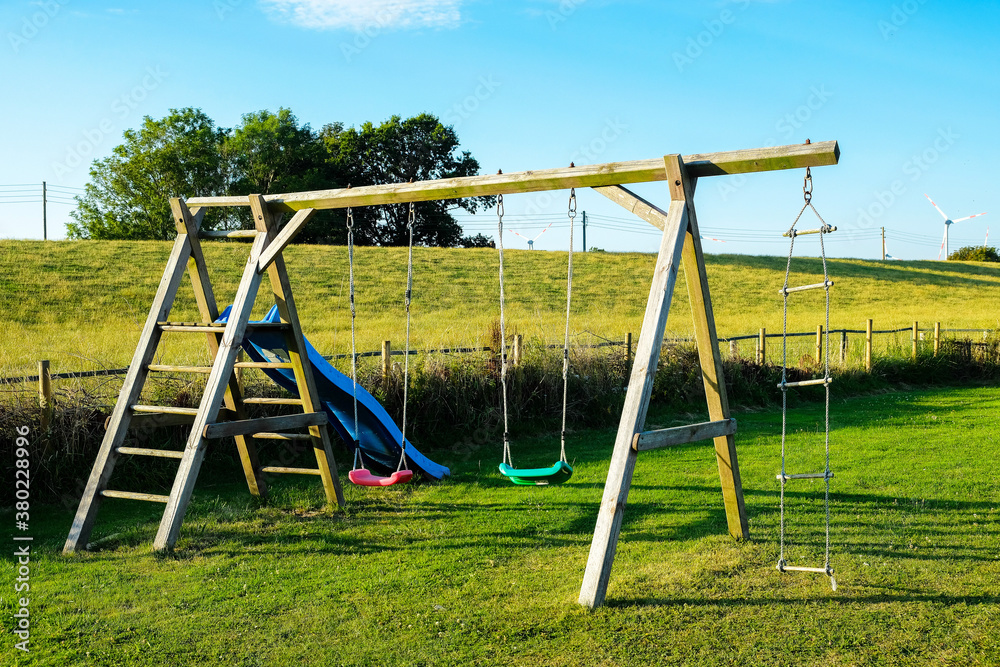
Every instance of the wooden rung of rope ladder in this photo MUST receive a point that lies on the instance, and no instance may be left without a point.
(221, 412)
(820, 230)
(809, 475)
(805, 383)
(789, 290)
(681, 435)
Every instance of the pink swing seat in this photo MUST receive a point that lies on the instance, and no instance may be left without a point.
(364, 477)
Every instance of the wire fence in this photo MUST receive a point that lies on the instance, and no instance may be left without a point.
(760, 352)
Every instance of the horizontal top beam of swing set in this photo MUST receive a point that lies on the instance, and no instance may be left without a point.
(612, 173)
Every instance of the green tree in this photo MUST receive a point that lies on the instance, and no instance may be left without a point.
(127, 196)
(974, 253)
(397, 151)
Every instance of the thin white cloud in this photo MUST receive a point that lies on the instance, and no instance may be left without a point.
(366, 14)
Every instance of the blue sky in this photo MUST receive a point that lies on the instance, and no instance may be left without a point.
(909, 88)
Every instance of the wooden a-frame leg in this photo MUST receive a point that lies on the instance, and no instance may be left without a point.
(298, 356)
(712, 372)
(189, 222)
(114, 436)
(208, 411)
(640, 386)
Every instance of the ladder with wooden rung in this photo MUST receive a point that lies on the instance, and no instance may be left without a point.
(826, 475)
(221, 413)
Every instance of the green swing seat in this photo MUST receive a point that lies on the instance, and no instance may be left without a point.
(557, 473)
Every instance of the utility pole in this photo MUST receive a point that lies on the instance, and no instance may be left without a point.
(883, 244)
(585, 231)
(45, 213)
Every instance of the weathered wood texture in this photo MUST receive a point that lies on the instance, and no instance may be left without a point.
(279, 423)
(612, 173)
(681, 435)
(640, 386)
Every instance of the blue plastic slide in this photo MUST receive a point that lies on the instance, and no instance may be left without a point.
(378, 434)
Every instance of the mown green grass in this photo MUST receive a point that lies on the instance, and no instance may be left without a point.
(473, 571)
(82, 304)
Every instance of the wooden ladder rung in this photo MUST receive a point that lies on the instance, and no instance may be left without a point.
(291, 471)
(163, 368)
(820, 230)
(196, 327)
(808, 475)
(158, 453)
(797, 568)
(164, 410)
(803, 288)
(128, 495)
(805, 383)
(282, 436)
(263, 364)
(234, 234)
(273, 401)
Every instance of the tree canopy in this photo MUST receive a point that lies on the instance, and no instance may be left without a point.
(975, 253)
(185, 155)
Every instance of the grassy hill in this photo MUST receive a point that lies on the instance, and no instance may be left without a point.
(82, 304)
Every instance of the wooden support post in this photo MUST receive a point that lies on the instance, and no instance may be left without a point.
(86, 514)
(386, 361)
(868, 345)
(44, 396)
(762, 346)
(517, 350)
(916, 338)
(640, 386)
(843, 347)
(819, 344)
(282, 288)
(937, 338)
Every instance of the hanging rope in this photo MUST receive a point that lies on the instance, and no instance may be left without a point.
(569, 294)
(354, 348)
(406, 355)
(824, 229)
(503, 337)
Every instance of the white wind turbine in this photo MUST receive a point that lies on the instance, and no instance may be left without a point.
(531, 242)
(948, 222)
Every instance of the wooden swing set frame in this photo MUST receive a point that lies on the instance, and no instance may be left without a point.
(679, 246)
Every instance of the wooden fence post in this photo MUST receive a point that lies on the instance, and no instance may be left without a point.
(868, 346)
(386, 360)
(916, 337)
(937, 338)
(843, 346)
(518, 348)
(45, 394)
(734, 350)
(819, 344)
(762, 346)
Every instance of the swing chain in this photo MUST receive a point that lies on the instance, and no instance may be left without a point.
(807, 186)
(354, 347)
(503, 336)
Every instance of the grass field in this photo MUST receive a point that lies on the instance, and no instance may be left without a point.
(474, 571)
(82, 304)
